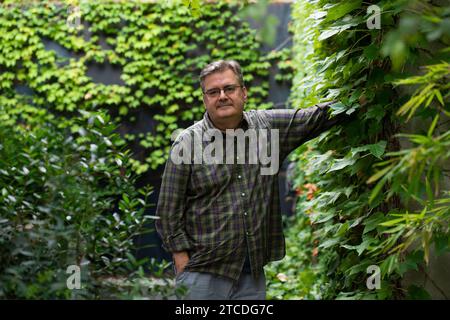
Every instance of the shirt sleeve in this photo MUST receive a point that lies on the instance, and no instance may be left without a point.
(296, 126)
(172, 204)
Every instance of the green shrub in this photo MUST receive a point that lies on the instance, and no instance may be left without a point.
(67, 198)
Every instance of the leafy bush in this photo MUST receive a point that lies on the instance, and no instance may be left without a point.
(67, 198)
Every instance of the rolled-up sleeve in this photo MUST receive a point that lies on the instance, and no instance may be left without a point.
(172, 204)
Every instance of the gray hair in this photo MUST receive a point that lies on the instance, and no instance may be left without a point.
(220, 66)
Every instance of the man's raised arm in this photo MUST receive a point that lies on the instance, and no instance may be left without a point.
(300, 125)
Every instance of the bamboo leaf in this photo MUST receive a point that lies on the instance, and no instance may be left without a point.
(433, 125)
(438, 95)
(392, 222)
(377, 189)
(379, 174)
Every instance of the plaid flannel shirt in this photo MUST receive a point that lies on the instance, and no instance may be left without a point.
(219, 213)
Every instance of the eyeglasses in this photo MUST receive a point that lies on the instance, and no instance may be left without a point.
(215, 92)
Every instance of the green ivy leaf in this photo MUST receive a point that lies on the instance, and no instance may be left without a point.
(341, 9)
(341, 164)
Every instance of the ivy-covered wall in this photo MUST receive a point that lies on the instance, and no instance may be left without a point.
(159, 49)
(371, 194)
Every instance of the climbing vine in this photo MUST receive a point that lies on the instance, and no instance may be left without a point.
(378, 196)
(158, 48)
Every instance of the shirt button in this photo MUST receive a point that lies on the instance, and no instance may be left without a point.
(239, 176)
(248, 233)
(245, 213)
(243, 194)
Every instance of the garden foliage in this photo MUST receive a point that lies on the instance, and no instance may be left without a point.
(379, 196)
(68, 193)
(159, 49)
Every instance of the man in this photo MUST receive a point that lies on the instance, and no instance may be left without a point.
(222, 221)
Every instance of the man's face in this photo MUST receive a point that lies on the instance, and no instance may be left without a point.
(227, 104)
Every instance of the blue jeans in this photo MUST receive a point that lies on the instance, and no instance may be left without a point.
(207, 286)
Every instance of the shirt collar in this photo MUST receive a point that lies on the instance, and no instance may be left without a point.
(245, 124)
